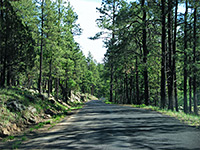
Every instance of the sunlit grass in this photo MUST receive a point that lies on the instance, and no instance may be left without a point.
(189, 119)
(108, 102)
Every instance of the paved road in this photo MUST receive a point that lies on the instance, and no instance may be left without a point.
(99, 126)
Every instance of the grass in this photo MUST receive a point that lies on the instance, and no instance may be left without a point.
(108, 102)
(26, 98)
(33, 99)
(8, 138)
(190, 119)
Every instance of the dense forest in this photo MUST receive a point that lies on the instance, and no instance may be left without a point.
(38, 50)
(152, 53)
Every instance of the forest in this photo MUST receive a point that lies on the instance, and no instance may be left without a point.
(38, 49)
(152, 53)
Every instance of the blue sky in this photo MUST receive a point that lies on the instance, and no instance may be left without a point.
(86, 10)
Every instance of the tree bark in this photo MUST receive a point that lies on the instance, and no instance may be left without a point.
(174, 58)
(57, 87)
(145, 52)
(194, 63)
(170, 72)
(111, 66)
(127, 90)
(50, 79)
(3, 54)
(1, 43)
(190, 93)
(131, 87)
(41, 48)
(185, 60)
(137, 83)
(163, 63)
(111, 82)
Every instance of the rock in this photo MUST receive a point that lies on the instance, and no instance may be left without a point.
(63, 103)
(32, 109)
(50, 112)
(14, 128)
(47, 116)
(76, 98)
(32, 120)
(15, 106)
(33, 91)
(45, 95)
(5, 132)
(52, 100)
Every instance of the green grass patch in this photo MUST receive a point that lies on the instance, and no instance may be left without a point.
(24, 138)
(30, 100)
(40, 125)
(189, 119)
(76, 107)
(8, 138)
(108, 102)
(31, 129)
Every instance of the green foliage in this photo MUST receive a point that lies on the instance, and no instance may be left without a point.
(10, 137)
(24, 138)
(126, 63)
(189, 119)
(64, 66)
(107, 101)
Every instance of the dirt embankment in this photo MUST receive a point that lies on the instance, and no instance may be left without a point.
(21, 108)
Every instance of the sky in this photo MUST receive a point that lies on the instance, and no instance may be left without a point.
(87, 14)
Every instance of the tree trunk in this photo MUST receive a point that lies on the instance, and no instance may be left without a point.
(41, 48)
(194, 63)
(131, 88)
(50, 79)
(57, 87)
(174, 58)
(145, 52)
(170, 72)
(111, 66)
(1, 43)
(8, 79)
(5, 40)
(190, 93)
(111, 83)
(127, 90)
(163, 63)
(185, 60)
(137, 84)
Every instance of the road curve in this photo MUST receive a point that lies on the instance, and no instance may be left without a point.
(100, 126)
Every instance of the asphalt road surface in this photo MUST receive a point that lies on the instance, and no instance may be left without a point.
(100, 126)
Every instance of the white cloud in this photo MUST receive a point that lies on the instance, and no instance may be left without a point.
(87, 14)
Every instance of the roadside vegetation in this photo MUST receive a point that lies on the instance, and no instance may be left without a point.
(21, 108)
(190, 119)
(152, 53)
